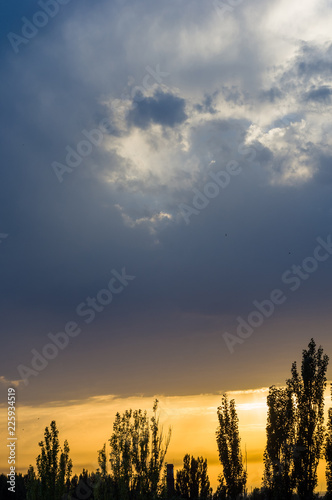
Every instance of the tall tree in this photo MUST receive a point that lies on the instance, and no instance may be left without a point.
(32, 484)
(120, 456)
(53, 464)
(328, 454)
(278, 455)
(103, 486)
(138, 450)
(230, 456)
(308, 389)
(102, 461)
(192, 481)
(158, 450)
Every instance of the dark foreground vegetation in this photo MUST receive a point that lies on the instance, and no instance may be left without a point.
(136, 467)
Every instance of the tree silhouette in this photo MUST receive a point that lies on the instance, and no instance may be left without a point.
(32, 484)
(328, 454)
(278, 455)
(192, 481)
(20, 488)
(307, 389)
(104, 486)
(138, 451)
(230, 455)
(53, 465)
(102, 461)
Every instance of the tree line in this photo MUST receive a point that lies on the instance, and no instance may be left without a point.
(136, 468)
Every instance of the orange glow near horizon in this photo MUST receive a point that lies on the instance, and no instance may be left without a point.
(87, 425)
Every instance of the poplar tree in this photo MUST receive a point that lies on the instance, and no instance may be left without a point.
(102, 461)
(328, 454)
(308, 389)
(192, 481)
(32, 484)
(230, 456)
(278, 455)
(53, 464)
(138, 450)
(103, 487)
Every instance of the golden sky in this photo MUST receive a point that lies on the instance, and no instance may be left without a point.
(87, 424)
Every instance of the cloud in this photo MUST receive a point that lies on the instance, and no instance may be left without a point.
(152, 222)
(271, 95)
(163, 109)
(10, 383)
(262, 390)
(207, 104)
(321, 94)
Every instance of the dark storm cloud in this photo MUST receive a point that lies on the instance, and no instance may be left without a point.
(163, 108)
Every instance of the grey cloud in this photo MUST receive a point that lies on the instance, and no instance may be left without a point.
(314, 60)
(311, 67)
(207, 104)
(163, 108)
(270, 95)
(321, 94)
(233, 94)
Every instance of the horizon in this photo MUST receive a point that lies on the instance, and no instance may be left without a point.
(187, 415)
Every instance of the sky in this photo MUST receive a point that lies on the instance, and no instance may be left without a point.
(165, 186)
